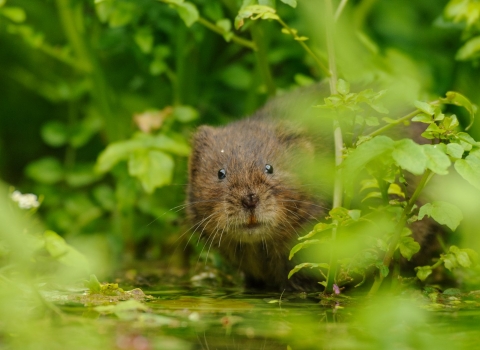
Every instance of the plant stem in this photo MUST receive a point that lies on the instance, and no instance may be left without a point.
(340, 9)
(258, 36)
(391, 125)
(72, 22)
(387, 259)
(317, 60)
(338, 141)
(219, 30)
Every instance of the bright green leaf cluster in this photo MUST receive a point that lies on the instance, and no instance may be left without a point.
(149, 158)
(346, 100)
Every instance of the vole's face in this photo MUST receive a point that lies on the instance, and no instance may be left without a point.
(240, 186)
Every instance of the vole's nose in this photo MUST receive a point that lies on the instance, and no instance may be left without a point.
(250, 201)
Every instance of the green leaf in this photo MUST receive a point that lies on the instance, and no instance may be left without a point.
(425, 107)
(463, 259)
(437, 160)
(54, 133)
(93, 284)
(372, 121)
(408, 247)
(144, 39)
(185, 114)
(423, 118)
(410, 156)
(469, 50)
(46, 170)
(423, 272)
(343, 87)
(188, 13)
(450, 261)
(302, 245)
(15, 14)
(458, 99)
(443, 213)
(81, 175)
(64, 253)
(318, 228)
(355, 214)
(292, 3)
(364, 154)
(455, 150)
(469, 168)
(153, 168)
(122, 14)
(226, 25)
(384, 270)
(309, 265)
(118, 151)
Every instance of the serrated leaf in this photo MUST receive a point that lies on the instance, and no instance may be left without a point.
(154, 169)
(437, 160)
(410, 156)
(408, 247)
(423, 272)
(309, 265)
(442, 212)
(469, 168)
(425, 107)
(455, 150)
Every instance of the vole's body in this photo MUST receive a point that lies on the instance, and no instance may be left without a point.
(251, 215)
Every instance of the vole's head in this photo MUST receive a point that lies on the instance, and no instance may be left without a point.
(243, 185)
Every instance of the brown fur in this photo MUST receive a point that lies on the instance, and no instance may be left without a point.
(256, 238)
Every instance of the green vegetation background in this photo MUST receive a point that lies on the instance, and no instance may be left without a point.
(79, 76)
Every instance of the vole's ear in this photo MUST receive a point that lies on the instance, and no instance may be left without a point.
(203, 132)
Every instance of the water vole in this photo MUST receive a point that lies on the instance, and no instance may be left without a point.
(246, 198)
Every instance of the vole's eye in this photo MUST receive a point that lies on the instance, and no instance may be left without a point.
(268, 169)
(222, 174)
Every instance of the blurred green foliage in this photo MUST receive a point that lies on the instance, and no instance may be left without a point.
(99, 98)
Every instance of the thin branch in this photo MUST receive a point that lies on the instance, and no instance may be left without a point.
(219, 30)
(306, 48)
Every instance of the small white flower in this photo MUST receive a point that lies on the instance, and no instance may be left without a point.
(25, 201)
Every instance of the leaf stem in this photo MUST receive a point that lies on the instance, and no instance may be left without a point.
(317, 60)
(387, 259)
(219, 30)
(391, 125)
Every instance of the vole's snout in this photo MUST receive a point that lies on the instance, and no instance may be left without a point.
(250, 201)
